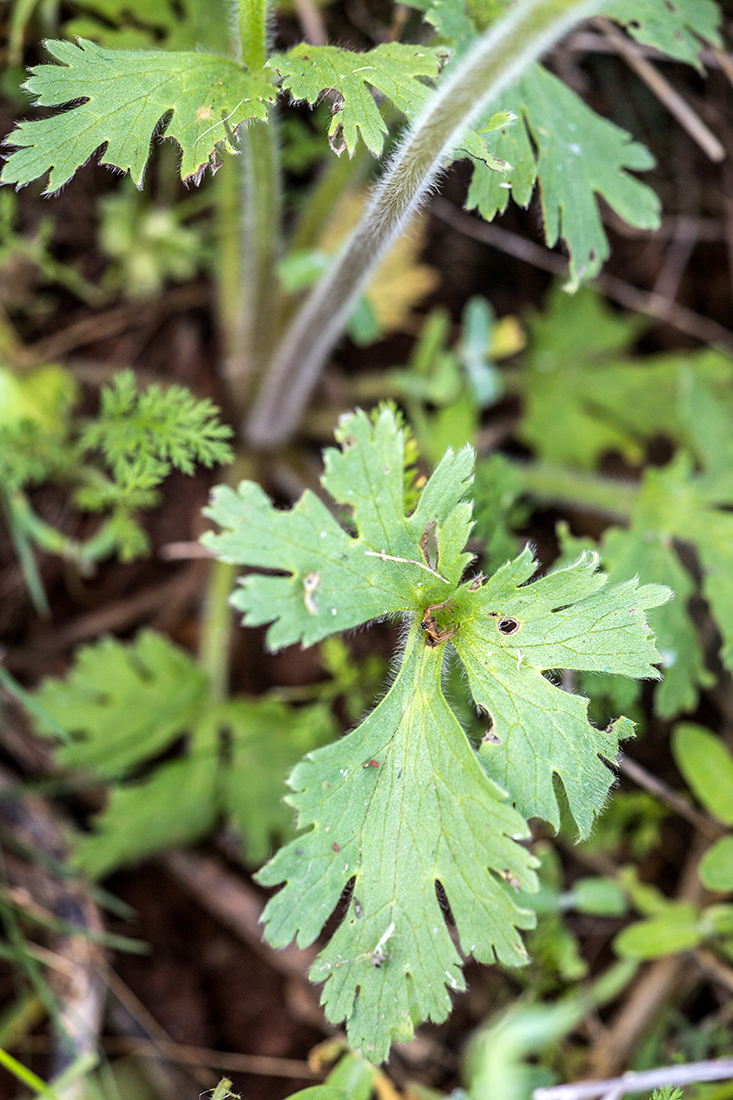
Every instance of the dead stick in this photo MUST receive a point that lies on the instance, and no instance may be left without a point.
(653, 989)
(641, 301)
(663, 90)
(689, 1074)
(238, 907)
(710, 829)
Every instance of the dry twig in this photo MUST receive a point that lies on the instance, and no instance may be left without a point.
(668, 96)
(630, 297)
(690, 1074)
(656, 986)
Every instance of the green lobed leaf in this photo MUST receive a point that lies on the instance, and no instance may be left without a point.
(579, 157)
(124, 704)
(127, 95)
(578, 372)
(707, 765)
(570, 618)
(174, 807)
(678, 29)
(670, 508)
(404, 802)
(265, 739)
(640, 550)
(392, 68)
(334, 581)
(399, 805)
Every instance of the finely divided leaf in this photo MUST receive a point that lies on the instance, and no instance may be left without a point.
(127, 94)
(329, 580)
(512, 633)
(395, 808)
(579, 156)
(392, 68)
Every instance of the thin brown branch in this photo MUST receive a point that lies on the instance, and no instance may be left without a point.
(640, 301)
(677, 256)
(237, 906)
(100, 326)
(311, 22)
(132, 1019)
(668, 96)
(259, 1065)
(723, 59)
(586, 41)
(713, 967)
(662, 981)
(169, 597)
(689, 1074)
(710, 829)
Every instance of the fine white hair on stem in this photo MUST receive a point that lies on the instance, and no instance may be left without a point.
(496, 59)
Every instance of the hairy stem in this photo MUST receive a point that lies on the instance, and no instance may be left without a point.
(495, 61)
(260, 247)
(250, 231)
(248, 225)
(217, 627)
(253, 32)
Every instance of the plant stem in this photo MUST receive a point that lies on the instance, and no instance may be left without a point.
(248, 214)
(253, 32)
(260, 228)
(217, 627)
(690, 1074)
(250, 231)
(577, 487)
(496, 59)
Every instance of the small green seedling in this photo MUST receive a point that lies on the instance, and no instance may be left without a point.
(405, 812)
